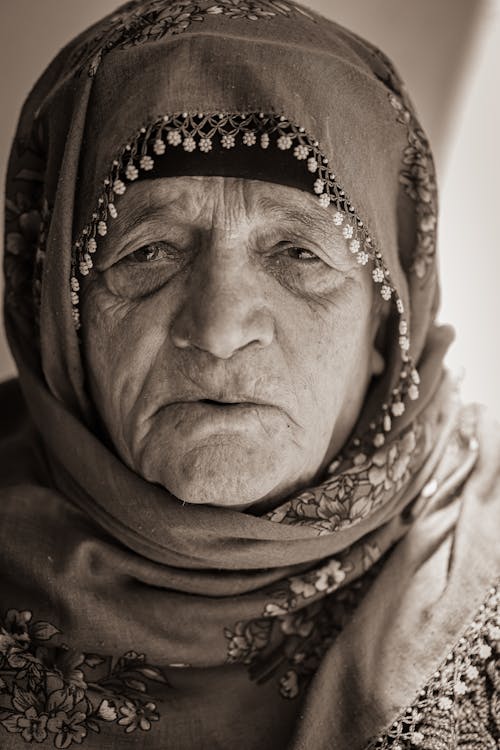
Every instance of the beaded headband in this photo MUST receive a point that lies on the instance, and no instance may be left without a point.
(209, 132)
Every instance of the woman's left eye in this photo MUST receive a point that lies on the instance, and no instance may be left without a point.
(300, 253)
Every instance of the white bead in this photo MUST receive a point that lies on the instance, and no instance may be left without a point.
(91, 245)
(378, 275)
(354, 246)
(338, 218)
(249, 138)
(362, 258)
(318, 186)
(264, 139)
(413, 392)
(284, 142)
(205, 145)
(348, 231)
(397, 408)
(112, 210)
(146, 163)
(403, 327)
(386, 292)
(102, 228)
(404, 343)
(159, 147)
(312, 165)
(301, 152)
(228, 141)
(387, 423)
(174, 137)
(324, 200)
(189, 144)
(131, 172)
(378, 440)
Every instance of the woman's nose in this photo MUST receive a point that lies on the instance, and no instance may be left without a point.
(223, 312)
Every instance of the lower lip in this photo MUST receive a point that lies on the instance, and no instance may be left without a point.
(216, 418)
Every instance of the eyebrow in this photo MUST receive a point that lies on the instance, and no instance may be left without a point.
(310, 219)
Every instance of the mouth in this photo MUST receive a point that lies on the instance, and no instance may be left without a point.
(214, 402)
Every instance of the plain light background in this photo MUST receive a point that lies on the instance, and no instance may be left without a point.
(448, 51)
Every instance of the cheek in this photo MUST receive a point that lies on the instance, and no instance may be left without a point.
(328, 347)
(122, 339)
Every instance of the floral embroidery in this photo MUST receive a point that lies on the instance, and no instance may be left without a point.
(348, 497)
(459, 706)
(51, 692)
(419, 180)
(26, 219)
(290, 640)
(418, 175)
(146, 21)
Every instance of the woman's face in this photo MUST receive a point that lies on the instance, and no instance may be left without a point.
(228, 336)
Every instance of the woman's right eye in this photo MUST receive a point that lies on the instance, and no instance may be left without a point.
(155, 251)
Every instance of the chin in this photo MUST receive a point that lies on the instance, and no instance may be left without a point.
(230, 474)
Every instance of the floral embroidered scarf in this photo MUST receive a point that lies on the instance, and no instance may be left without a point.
(126, 613)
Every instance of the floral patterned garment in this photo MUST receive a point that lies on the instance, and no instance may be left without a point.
(54, 696)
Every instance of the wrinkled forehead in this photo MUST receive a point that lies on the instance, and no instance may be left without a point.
(318, 82)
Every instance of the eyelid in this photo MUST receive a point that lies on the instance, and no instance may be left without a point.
(154, 244)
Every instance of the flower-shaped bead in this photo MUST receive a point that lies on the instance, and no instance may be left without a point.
(228, 141)
(146, 163)
(205, 145)
(362, 258)
(404, 343)
(301, 152)
(397, 409)
(318, 186)
(338, 218)
(324, 200)
(312, 165)
(174, 137)
(348, 231)
(91, 245)
(159, 147)
(378, 275)
(189, 143)
(484, 651)
(119, 187)
(386, 292)
(112, 210)
(102, 228)
(249, 138)
(264, 140)
(284, 142)
(413, 392)
(75, 284)
(131, 172)
(354, 246)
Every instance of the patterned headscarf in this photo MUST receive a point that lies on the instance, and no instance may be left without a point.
(212, 587)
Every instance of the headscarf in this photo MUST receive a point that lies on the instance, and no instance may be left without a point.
(126, 611)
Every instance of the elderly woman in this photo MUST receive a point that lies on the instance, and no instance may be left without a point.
(242, 506)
